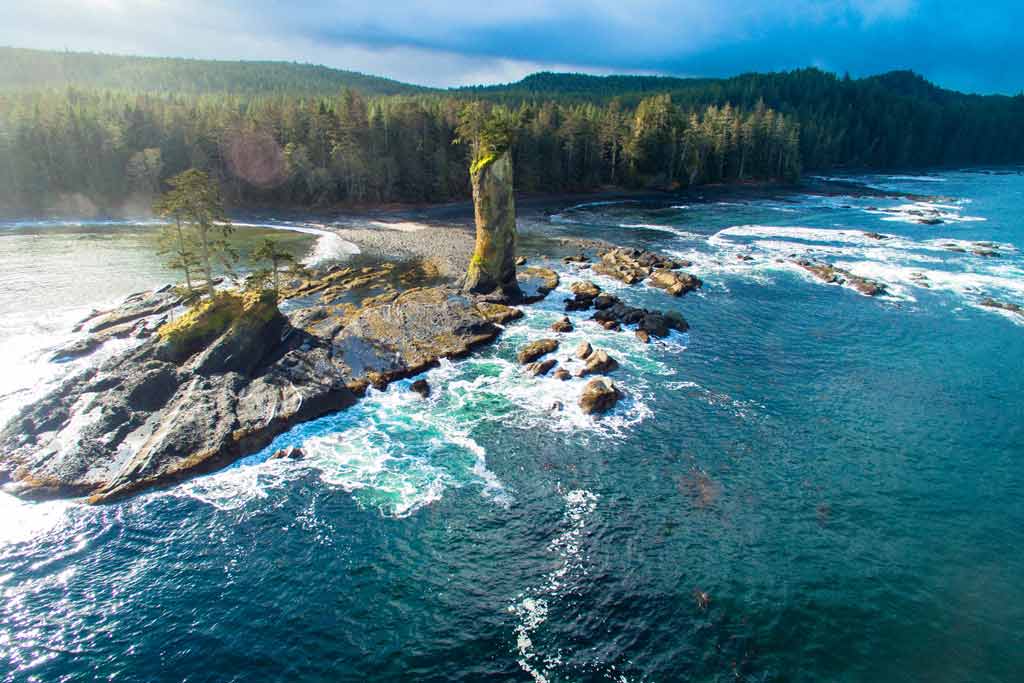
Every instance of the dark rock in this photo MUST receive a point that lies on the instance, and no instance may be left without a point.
(876, 236)
(562, 374)
(421, 387)
(576, 258)
(290, 453)
(611, 325)
(556, 406)
(563, 325)
(603, 301)
(534, 350)
(599, 396)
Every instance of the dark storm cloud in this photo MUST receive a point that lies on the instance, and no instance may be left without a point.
(974, 47)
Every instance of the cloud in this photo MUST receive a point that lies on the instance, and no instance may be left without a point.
(454, 43)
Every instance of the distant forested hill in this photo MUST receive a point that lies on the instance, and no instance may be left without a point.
(93, 130)
(33, 69)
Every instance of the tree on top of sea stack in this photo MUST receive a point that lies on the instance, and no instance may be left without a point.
(492, 270)
(194, 201)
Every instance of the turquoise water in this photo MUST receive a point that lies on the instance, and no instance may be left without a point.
(841, 476)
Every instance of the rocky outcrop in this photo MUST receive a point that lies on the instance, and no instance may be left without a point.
(635, 265)
(599, 396)
(535, 350)
(655, 323)
(220, 383)
(832, 275)
(493, 266)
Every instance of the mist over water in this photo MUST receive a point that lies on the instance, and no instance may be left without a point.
(809, 485)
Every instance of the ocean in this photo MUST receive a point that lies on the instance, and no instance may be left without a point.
(809, 485)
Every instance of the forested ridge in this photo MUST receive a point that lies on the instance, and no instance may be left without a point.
(286, 134)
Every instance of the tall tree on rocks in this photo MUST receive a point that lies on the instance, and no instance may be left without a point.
(492, 270)
(195, 201)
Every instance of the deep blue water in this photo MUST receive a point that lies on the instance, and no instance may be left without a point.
(841, 476)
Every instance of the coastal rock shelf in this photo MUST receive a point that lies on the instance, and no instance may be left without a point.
(198, 396)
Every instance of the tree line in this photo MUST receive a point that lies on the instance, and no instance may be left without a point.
(85, 147)
(106, 148)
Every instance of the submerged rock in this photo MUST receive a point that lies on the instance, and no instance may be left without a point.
(562, 374)
(833, 275)
(599, 396)
(1002, 305)
(535, 350)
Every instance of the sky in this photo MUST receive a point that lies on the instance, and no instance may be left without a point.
(969, 46)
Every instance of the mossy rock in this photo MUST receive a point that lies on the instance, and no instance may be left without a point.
(209, 319)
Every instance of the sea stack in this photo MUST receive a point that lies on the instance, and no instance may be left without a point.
(493, 266)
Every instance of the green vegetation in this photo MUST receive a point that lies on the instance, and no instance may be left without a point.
(199, 235)
(275, 257)
(109, 132)
(210, 318)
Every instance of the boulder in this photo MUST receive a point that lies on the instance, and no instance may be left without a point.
(584, 289)
(536, 349)
(674, 283)
(520, 260)
(643, 336)
(563, 325)
(611, 325)
(599, 396)
(421, 387)
(584, 350)
(290, 453)
(541, 367)
(603, 301)
(599, 362)
(562, 374)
